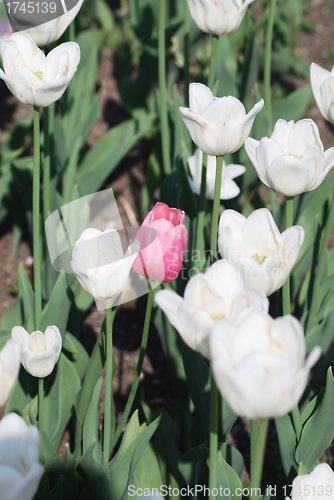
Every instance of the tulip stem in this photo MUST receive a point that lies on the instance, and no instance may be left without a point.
(35, 220)
(198, 264)
(46, 163)
(216, 206)
(320, 267)
(163, 90)
(40, 404)
(213, 61)
(267, 64)
(214, 397)
(257, 457)
(286, 286)
(186, 53)
(142, 352)
(108, 399)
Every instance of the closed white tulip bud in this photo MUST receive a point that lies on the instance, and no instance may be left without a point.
(20, 470)
(33, 77)
(99, 262)
(263, 255)
(39, 351)
(314, 486)
(229, 189)
(218, 17)
(218, 293)
(9, 369)
(322, 82)
(258, 363)
(217, 125)
(292, 161)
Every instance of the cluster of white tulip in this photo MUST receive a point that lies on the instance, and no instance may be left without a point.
(38, 80)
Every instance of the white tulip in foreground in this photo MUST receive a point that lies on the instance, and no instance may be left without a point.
(20, 470)
(263, 255)
(292, 160)
(317, 485)
(99, 262)
(39, 351)
(51, 31)
(32, 77)
(258, 363)
(219, 17)
(218, 293)
(9, 369)
(322, 82)
(229, 189)
(217, 125)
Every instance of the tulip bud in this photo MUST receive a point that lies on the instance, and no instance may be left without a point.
(20, 470)
(218, 126)
(39, 351)
(322, 82)
(313, 486)
(161, 258)
(220, 17)
(32, 77)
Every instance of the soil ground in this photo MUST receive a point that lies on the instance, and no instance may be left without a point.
(317, 45)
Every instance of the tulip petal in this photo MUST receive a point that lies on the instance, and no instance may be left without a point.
(281, 134)
(267, 152)
(318, 75)
(55, 59)
(288, 175)
(304, 134)
(200, 96)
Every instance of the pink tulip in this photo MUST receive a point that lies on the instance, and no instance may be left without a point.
(163, 245)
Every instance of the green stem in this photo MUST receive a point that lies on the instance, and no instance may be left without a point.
(213, 61)
(267, 64)
(40, 404)
(35, 221)
(320, 267)
(258, 457)
(201, 215)
(286, 286)
(134, 386)
(216, 206)
(254, 432)
(163, 90)
(186, 53)
(213, 435)
(46, 164)
(108, 399)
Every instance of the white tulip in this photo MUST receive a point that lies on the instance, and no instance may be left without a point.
(263, 255)
(258, 363)
(99, 263)
(50, 31)
(229, 189)
(20, 470)
(314, 486)
(322, 82)
(32, 77)
(218, 293)
(292, 160)
(9, 369)
(218, 126)
(218, 17)
(39, 351)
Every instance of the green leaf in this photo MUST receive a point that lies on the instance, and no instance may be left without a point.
(228, 478)
(294, 106)
(193, 466)
(302, 471)
(95, 475)
(76, 353)
(64, 466)
(123, 465)
(322, 335)
(318, 430)
(12, 316)
(25, 389)
(287, 442)
(57, 309)
(91, 423)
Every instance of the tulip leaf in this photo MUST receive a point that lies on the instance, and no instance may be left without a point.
(29, 414)
(123, 465)
(193, 467)
(91, 423)
(48, 451)
(95, 475)
(27, 294)
(322, 335)
(318, 429)
(293, 106)
(76, 353)
(25, 389)
(302, 471)
(287, 442)
(57, 309)
(64, 466)
(57, 493)
(12, 316)
(61, 389)
(233, 457)
(228, 478)
(147, 473)
(103, 158)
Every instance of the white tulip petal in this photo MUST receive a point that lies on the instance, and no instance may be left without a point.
(267, 152)
(304, 134)
(55, 59)
(281, 134)
(9, 369)
(200, 96)
(318, 75)
(327, 98)
(288, 175)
